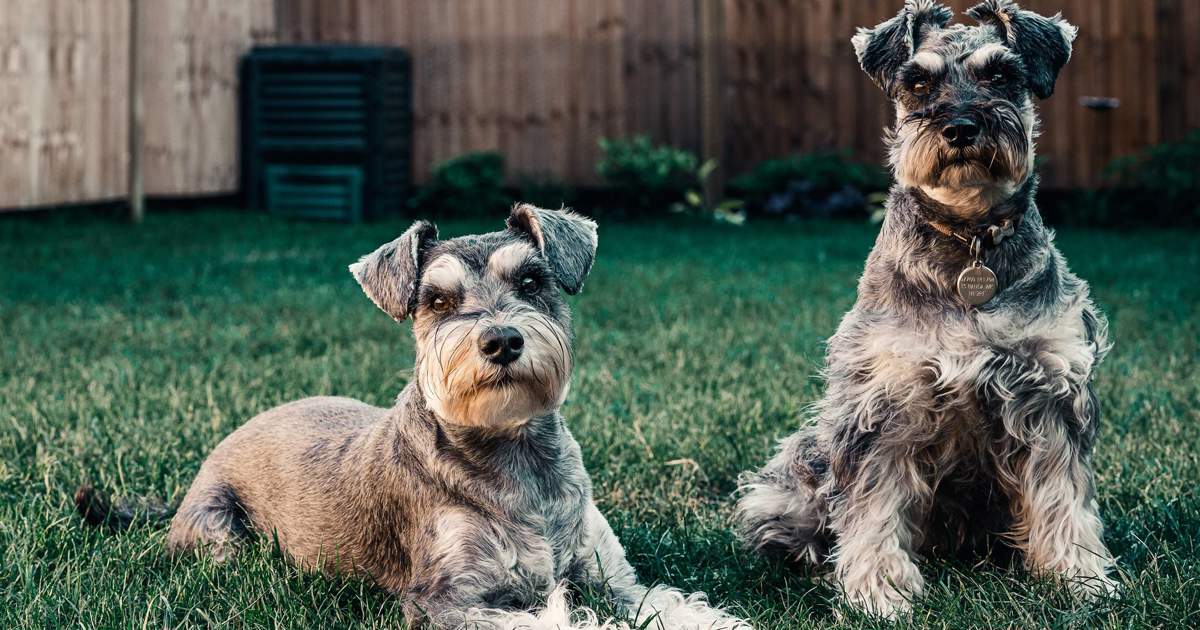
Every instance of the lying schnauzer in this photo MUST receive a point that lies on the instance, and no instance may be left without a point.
(468, 498)
(959, 411)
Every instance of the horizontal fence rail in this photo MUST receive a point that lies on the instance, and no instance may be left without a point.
(540, 81)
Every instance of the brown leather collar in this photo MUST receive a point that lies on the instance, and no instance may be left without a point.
(983, 236)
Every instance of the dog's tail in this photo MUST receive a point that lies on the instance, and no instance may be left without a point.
(99, 510)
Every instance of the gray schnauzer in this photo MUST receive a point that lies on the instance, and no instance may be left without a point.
(959, 415)
(468, 498)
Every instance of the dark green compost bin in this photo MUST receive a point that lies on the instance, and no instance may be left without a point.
(327, 130)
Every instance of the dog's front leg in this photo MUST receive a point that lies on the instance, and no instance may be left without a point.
(605, 568)
(875, 521)
(1056, 518)
(466, 598)
(459, 597)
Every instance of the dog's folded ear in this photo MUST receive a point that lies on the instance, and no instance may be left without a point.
(883, 49)
(566, 240)
(1042, 43)
(389, 275)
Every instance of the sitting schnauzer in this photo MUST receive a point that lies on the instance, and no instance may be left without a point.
(959, 412)
(468, 498)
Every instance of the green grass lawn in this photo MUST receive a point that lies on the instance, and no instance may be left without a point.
(127, 353)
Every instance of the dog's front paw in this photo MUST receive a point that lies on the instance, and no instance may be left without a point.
(889, 597)
(1085, 576)
(885, 602)
(1094, 587)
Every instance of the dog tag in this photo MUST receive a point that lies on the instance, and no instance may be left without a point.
(976, 284)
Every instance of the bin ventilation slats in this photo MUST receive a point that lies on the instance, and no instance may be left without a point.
(314, 116)
(324, 192)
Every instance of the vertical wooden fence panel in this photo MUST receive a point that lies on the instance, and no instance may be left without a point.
(62, 101)
(1178, 63)
(190, 90)
(540, 81)
(1190, 51)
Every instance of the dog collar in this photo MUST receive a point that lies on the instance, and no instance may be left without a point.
(983, 237)
(976, 284)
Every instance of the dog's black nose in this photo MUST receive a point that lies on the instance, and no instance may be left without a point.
(960, 133)
(501, 344)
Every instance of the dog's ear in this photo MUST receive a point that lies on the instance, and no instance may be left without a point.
(389, 275)
(883, 49)
(1042, 43)
(566, 240)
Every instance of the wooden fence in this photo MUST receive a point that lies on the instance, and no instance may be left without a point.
(63, 78)
(540, 81)
(64, 83)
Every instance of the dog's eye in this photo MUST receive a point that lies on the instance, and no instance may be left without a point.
(996, 77)
(530, 286)
(439, 305)
(920, 88)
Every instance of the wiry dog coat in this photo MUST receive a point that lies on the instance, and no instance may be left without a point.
(468, 498)
(947, 427)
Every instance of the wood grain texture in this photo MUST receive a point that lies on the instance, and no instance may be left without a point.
(64, 98)
(540, 81)
(190, 91)
(63, 81)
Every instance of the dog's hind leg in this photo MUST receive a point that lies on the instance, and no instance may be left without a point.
(783, 507)
(211, 517)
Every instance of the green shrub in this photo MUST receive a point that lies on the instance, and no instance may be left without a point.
(647, 178)
(1164, 179)
(654, 179)
(470, 184)
(821, 184)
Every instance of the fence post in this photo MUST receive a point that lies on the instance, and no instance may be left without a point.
(137, 208)
(712, 123)
(1169, 37)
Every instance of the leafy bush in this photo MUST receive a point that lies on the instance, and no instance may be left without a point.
(696, 202)
(470, 184)
(1168, 174)
(649, 179)
(822, 184)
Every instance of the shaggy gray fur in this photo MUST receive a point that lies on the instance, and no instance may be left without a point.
(568, 245)
(468, 498)
(376, 272)
(947, 428)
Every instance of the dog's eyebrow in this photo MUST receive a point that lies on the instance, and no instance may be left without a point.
(446, 272)
(930, 62)
(984, 54)
(506, 260)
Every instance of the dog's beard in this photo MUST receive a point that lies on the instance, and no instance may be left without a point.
(464, 388)
(1001, 159)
